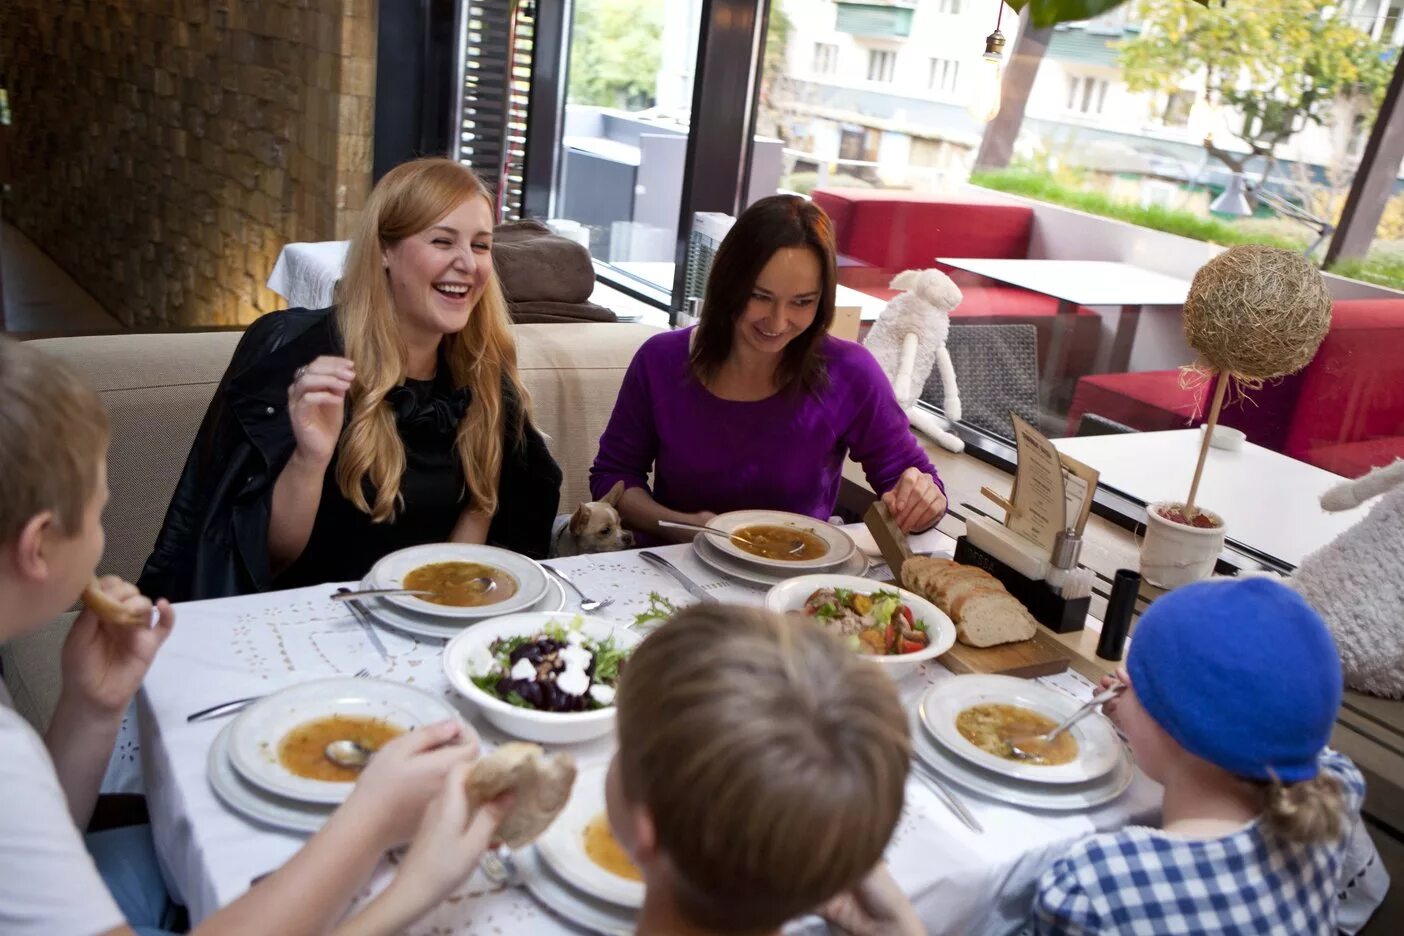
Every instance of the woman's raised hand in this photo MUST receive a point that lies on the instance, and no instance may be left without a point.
(916, 502)
(317, 406)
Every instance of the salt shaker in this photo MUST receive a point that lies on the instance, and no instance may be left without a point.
(1067, 545)
(1126, 586)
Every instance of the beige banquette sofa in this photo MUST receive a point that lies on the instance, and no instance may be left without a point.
(156, 388)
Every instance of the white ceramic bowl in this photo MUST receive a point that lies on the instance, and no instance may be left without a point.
(791, 595)
(839, 546)
(531, 724)
(1225, 437)
(391, 570)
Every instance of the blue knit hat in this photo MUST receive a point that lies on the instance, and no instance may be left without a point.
(1242, 673)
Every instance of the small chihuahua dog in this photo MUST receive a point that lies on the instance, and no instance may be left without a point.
(593, 528)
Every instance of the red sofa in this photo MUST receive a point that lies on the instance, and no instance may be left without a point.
(881, 232)
(1344, 412)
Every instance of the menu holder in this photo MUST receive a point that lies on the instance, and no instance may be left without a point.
(1058, 614)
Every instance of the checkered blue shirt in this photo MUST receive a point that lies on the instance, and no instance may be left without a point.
(1141, 881)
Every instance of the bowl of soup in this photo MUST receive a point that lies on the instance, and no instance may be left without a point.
(780, 541)
(461, 580)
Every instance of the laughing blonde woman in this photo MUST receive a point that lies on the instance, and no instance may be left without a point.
(394, 418)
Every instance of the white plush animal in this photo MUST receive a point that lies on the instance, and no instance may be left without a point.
(1356, 582)
(909, 338)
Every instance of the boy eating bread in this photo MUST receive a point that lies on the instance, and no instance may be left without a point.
(53, 486)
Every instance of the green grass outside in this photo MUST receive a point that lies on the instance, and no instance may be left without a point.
(1383, 266)
(1171, 220)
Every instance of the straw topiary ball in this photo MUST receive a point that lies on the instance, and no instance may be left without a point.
(1257, 312)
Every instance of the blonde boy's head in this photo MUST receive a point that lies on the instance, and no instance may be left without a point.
(769, 759)
(52, 486)
(53, 442)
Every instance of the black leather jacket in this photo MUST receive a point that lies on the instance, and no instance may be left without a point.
(214, 541)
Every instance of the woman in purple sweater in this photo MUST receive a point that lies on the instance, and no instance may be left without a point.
(757, 405)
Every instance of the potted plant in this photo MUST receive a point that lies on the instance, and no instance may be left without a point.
(1253, 314)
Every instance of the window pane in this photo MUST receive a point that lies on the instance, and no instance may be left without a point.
(629, 96)
(1129, 151)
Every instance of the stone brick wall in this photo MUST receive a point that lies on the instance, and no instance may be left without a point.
(163, 151)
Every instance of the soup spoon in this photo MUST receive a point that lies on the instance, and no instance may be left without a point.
(349, 754)
(795, 545)
(1034, 747)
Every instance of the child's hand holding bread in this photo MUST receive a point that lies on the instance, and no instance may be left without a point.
(112, 644)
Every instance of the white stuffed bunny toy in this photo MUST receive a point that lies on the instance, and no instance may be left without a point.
(909, 338)
(1356, 582)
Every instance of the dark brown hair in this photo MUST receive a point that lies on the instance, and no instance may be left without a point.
(765, 227)
(771, 758)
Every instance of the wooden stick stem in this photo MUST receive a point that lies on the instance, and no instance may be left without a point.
(1209, 425)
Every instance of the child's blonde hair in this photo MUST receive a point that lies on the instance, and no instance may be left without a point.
(771, 758)
(1312, 811)
(53, 435)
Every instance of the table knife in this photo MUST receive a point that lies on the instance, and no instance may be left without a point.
(359, 613)
(692, 587)
(947, 796)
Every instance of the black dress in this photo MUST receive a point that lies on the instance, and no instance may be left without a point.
(345, 542)
(214, 541)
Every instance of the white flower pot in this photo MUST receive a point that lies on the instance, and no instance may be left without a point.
(1174, 554)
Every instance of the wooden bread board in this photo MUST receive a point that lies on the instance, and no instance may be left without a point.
(1042, 655)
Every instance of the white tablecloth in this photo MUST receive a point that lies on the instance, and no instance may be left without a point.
(961, 882)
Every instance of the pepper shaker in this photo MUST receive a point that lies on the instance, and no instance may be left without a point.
(1126, 586)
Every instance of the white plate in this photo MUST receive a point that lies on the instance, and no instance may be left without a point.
(791, 595)
(563, 845)
(566, 903)
(840, 544)
(531, 724)
(1098, 747)
(257, 730)
(390, 572)
(423, 625)
(857, 564)
(254, 804)
(1070, 797)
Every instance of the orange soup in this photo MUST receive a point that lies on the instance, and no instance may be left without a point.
(991, 727)
(462, 584)
(303, 750)
(605, 851)
(773, 541)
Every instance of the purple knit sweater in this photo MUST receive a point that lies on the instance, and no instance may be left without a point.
(785, 452)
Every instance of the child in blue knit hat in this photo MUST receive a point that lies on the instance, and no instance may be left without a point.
(1232, 691)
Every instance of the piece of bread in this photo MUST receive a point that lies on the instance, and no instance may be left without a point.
(919, 573)
(986, 617)
(541, 784)
(954, 587)
(110, 609)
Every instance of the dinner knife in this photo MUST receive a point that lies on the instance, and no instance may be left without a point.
(346, 594)
(947, 796)
(359, 613)
(692, 587)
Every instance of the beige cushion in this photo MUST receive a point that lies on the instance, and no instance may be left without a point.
(156, 389)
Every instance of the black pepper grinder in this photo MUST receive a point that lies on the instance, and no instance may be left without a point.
(1126, 586)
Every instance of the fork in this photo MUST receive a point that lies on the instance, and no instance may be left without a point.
(586, 604)
(234, 705)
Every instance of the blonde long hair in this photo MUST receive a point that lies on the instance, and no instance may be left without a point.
(482, 357)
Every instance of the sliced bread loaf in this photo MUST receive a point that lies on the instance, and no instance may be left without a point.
(986, 617)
